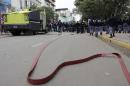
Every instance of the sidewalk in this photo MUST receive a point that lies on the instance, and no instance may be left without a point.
(123, 37)
(122, 40)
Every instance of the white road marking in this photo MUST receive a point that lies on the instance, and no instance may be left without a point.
(46, 40)
(107, 74)
(39, 44)
(36, 45)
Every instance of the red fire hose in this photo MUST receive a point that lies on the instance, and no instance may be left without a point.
(52, 75)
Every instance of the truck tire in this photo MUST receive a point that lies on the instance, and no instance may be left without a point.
(45, 31)
(15, 33)
(34, 33)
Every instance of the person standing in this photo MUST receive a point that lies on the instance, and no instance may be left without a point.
(125, 27)
(80, 27)
(54, 27)
(77, 25)
(96, 28)
(49, 26)
(101, 23)
(91, 27)
(1, 22)
(59, 25)
(110, 31)
(112, 22)
(83, 27)
(120, 26)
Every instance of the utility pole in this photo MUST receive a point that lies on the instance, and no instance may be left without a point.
(21, 4)
(26, 3)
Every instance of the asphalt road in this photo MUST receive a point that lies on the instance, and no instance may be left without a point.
(17, 55)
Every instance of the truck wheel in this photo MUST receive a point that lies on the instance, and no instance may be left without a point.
(34, 33)
(46, 31)
(16, 33)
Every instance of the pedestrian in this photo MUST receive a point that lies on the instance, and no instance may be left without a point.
(55, 26)
(110, 31)
(49, 26)
(112, 22)
(82, 27)
(101, 27)
(77, 25)
(72, 26)
(1, 22)
(59, 27)
(119, 29)
(91, 27)
(125, 27)
(96, 28)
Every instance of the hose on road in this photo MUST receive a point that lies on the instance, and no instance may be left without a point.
(52, 75)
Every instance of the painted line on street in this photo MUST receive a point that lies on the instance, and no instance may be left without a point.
(38, 44)
(44, 41)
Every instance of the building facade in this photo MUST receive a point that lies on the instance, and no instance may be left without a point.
(22, 4)
(48, 3)
(64, 15)
(17, 5)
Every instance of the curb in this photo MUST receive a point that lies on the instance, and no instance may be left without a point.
(116, 42)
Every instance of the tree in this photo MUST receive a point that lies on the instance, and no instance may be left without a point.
(33, 7)
(49, 13)
(56, 16)
(102, 9)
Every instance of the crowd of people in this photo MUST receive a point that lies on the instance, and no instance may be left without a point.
(79, 27)
(110, 26)
(93, 26)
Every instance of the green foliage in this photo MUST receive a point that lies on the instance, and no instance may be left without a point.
(75, 11)
(33, 7)
(49, 13)
(102, 9)
(56, 16)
